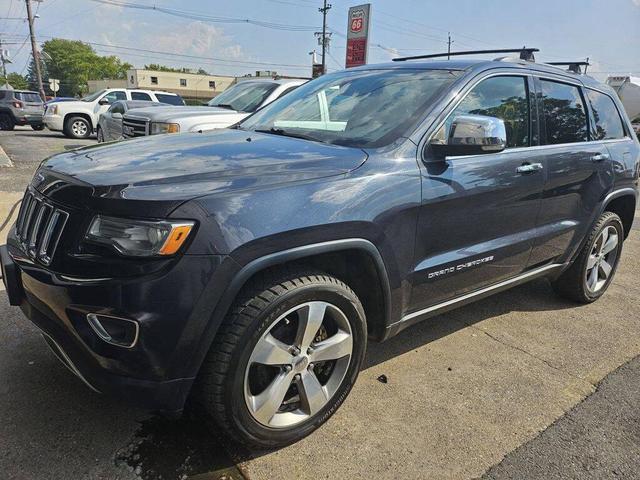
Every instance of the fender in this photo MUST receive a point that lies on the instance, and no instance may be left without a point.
(278, 258)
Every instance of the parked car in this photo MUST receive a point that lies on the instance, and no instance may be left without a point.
(20, 107)
(110, 122)
(248, 267)
(79, 119)
(231, 106)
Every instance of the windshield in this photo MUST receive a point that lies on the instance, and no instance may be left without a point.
(244, 96)
(368, 108)
(170, 99)
(29, 97)
(91, 97)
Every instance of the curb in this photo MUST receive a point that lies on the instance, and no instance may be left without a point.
(5, 161)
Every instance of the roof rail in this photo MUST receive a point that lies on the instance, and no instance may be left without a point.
(525, 54)
(574, 67)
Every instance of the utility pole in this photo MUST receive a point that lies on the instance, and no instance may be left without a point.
(449, 42)
(4, 64)
(324, 10)
(34, 51)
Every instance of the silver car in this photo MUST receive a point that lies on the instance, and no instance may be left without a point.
(110, 122)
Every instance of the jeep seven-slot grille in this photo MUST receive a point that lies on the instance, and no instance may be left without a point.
(133, 127)
(39, 227)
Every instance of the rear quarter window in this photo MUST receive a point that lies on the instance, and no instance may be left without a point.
(606, 120)
(28, 97)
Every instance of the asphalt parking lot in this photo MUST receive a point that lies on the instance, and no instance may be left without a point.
(519, 385)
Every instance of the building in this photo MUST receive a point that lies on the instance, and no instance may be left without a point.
(193, 87)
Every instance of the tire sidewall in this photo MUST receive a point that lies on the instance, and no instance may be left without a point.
(614, 221)
(71, 121)
(234, 388)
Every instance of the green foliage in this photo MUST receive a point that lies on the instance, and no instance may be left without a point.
(17, 81)
(163, 68)
(74, 63)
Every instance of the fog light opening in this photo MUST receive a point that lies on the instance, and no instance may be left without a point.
(121, 332)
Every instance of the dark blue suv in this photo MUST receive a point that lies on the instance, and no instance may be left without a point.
(247, 268)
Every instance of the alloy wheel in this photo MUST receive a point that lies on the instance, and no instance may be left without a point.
(298, 364)
(79, 128)
(602, 259)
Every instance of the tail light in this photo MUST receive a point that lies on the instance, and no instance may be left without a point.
(18, 104)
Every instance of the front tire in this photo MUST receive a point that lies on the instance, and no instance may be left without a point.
(38, 127)
(592, 271)
(77, 127)
(284, 360)
(100, 135)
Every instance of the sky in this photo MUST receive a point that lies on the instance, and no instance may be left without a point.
(215, 38)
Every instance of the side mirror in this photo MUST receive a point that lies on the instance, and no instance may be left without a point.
(116, 115)
(470, 135)
(104, 101)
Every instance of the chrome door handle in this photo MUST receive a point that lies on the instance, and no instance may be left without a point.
(529, 168)
(600, 157)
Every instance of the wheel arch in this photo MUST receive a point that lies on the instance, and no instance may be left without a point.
(84, 115)
(361, 252)
(622, 203)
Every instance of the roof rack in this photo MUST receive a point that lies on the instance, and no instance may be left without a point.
(525, 54)
(574, 67)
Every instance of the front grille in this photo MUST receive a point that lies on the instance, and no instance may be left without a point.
(39, 227)
(134, 127)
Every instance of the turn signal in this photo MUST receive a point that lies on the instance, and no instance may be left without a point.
(175, 239)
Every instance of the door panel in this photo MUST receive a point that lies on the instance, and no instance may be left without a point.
(476, 224)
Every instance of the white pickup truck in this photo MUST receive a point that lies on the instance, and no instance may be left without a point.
(79, 119)
(234, 104)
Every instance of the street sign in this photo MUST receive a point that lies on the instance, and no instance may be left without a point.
(359, 21)
(54, 85)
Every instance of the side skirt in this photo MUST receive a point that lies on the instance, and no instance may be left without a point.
(415, 317)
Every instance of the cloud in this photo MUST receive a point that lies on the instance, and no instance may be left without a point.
(636, 3)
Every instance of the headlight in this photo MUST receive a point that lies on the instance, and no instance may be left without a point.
(139, 238)
(157, 128)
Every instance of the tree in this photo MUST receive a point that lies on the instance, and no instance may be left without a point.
(17, 81)
(74, 63)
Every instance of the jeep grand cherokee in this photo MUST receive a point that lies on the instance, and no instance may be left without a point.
(248, 267)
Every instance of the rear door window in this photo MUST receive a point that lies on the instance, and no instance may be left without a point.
(606, 121)
(140, 96)
(565, 115)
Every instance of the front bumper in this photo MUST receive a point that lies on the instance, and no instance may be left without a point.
(170, 308)
(54, 122)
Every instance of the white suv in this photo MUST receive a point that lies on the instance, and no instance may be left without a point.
(80, 118)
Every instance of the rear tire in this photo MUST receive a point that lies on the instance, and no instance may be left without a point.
(6, 122)
(271, 347)
(38, 127)
(592, 271)
(77, 127)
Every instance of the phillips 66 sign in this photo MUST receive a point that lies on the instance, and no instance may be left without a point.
(358, 35)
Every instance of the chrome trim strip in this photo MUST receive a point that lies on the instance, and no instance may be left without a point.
(48, 231)
(490, 288)
(100, 331)
(66, 361)
(46, 259)
(33, 238)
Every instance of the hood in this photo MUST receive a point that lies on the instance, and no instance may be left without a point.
(166, 114)
(173, 168)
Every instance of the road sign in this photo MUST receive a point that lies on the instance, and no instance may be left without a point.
(358, 35)
(54, 85)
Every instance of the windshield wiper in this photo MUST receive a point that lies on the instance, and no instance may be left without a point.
(286, 133)
(224, 105)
